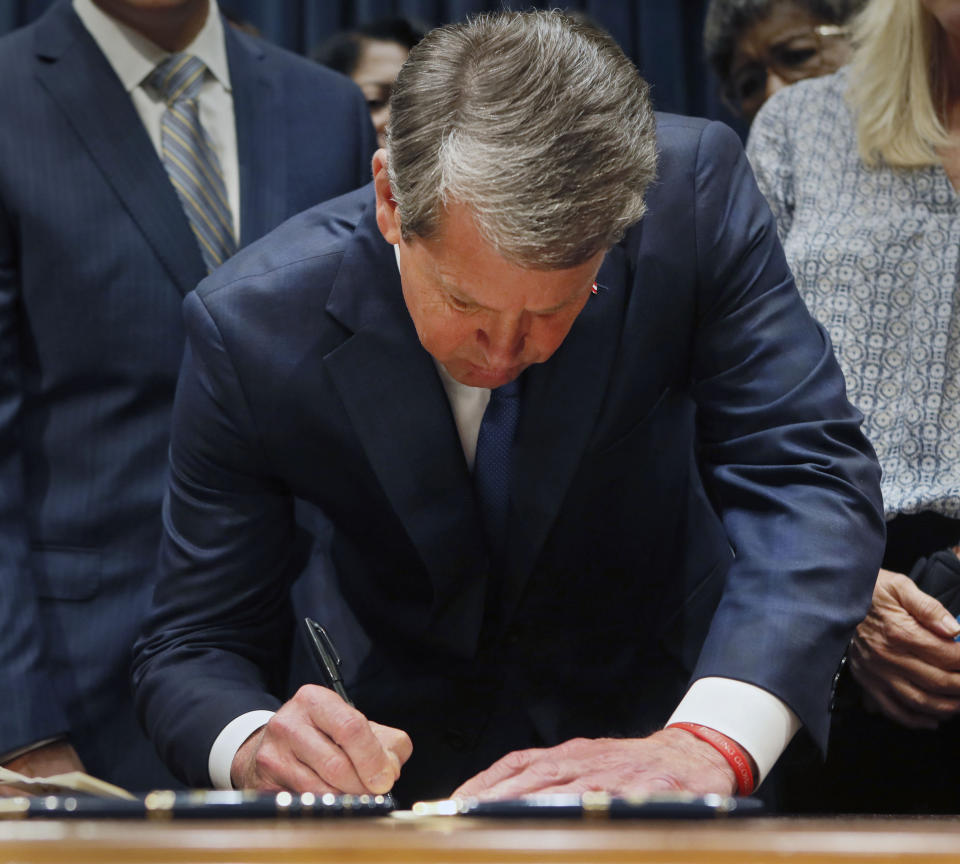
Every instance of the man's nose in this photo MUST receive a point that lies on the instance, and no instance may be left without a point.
(503, 340)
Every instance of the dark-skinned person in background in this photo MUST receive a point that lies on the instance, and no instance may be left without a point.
(372, 55)
(758, 46)
(141, 142)
(861, 169)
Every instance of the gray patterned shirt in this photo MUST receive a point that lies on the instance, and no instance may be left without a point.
(875, 256)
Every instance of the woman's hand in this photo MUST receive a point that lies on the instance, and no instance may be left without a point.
(904, 656)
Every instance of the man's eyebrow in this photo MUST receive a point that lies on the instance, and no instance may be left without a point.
(553, 309)
(457, 292)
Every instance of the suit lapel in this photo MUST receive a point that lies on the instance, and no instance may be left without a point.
(83, 84)
(397, 404)
(263, 168)
(562, 399)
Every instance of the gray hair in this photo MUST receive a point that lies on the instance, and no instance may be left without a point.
(727, 21)
(537, 122)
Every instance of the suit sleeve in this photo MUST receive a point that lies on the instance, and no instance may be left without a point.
(31, 711)
(781, 452)
(229, 551)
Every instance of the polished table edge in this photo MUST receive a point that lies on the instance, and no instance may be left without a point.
(464, 839)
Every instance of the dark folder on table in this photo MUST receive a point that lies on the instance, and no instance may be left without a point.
(167, 804)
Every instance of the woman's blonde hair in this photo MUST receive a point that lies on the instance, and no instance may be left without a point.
(897, 84)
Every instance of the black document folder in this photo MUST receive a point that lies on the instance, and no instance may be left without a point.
(194, 805)
(596, 805)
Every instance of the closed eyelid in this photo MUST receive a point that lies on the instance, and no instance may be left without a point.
(461, 304)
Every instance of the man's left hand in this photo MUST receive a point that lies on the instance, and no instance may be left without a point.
(671, 760)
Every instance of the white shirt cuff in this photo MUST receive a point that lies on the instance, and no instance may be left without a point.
(229, 742)
(756, 719)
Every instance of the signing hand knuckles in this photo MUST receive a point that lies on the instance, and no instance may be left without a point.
(342, 722)
(312, 697)
(353, 730)
(320, 702)
(269, 767)
(282, 727)
(334, 768)
(394, 741)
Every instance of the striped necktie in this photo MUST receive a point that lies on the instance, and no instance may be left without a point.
(493, 465)
(191, 163)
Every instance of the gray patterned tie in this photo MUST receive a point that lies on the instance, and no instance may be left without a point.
(191, 163)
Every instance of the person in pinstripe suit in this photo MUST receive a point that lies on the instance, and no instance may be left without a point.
(96, 255)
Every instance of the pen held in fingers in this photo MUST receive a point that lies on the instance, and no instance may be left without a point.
(328, 660)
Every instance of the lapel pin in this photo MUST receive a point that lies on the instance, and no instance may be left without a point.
(594, 289)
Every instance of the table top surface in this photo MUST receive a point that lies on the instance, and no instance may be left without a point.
(465, 839)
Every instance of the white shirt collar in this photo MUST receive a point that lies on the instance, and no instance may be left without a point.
(133, 56)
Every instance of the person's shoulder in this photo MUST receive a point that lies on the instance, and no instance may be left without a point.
(682, 139)
(294, 68)
(680, 129)
(811, 98)
(310, 242)
(16, 43)
(799, 121)
(44, 36)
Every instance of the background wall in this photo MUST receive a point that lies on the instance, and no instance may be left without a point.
(661, 36)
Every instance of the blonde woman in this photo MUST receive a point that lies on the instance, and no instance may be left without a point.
(862, 169)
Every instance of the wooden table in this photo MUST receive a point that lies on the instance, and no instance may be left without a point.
(436, 840)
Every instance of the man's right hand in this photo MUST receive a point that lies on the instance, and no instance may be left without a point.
(58, 757)
(318, 743)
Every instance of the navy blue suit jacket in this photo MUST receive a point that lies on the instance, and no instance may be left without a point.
(625, 573)
(96, 256)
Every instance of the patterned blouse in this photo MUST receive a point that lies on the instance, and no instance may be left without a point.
(875, 256)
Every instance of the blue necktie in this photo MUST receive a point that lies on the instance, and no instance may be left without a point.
(191, 163)
(493, 465)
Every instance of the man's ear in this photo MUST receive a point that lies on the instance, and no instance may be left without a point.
(388, 220)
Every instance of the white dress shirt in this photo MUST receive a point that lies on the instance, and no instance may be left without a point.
(757, 720)
(133, 57)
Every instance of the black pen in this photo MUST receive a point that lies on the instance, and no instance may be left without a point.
(329, 662)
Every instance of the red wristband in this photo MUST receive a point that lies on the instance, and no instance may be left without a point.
(738, 759)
